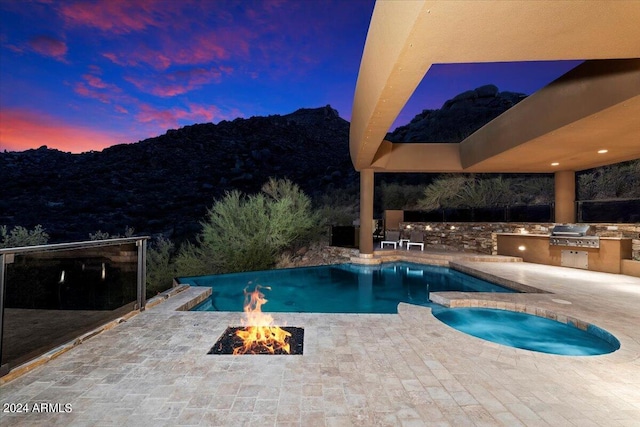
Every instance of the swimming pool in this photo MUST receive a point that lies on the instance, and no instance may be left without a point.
(340, 288)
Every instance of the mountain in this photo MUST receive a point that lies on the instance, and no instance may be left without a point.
(165, 184)
(459, 117)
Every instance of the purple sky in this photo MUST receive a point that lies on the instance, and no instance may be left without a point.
(84, 75)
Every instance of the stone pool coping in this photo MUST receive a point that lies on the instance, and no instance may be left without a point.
(532, 300)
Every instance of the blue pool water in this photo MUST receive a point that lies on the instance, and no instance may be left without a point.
(528, 332)
(341, 288)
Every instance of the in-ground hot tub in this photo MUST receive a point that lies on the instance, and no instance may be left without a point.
(529, 332)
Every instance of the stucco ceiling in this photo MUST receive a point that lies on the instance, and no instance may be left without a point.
(594, 107)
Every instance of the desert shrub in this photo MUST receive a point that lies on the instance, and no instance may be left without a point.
(481, 192)
(621, 180)
(475, 191)
(99, 235)
(245, 233)
(20, 236)
(338, 207)
(534, 190)
(197, 259)
(103, 235)
(161, 268)
(398, 196)
(442, 192)
(295, 220)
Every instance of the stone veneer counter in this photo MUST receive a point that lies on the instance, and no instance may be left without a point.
(535, 248)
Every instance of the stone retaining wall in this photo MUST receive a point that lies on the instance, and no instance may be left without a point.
(481, 236)
(317, 254)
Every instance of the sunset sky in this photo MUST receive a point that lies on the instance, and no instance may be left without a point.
(85, 75)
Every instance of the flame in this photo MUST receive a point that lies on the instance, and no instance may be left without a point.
(259, 333)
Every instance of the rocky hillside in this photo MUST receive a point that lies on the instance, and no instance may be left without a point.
(458, 118)
(164, 184)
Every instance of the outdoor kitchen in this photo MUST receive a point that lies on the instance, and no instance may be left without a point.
(568, 245)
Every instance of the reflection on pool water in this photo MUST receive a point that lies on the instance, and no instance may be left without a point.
(341, 288)
(528, 332)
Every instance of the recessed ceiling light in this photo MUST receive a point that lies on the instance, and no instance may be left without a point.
(555, 164)
(602, 151)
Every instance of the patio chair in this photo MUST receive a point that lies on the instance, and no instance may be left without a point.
(416, 239)
(391, 238)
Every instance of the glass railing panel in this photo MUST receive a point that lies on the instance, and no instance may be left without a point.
(54, 296)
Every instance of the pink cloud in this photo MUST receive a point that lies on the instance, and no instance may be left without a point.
(207, 112)
(14, 48)
(114, 58)
(171, 118)
(83, 90)
(197, 49)
(117, 16)
(226, 70)
(94, 87)
(177, 82)
(138, 56)
(94, 81)
(49, 46)
(21, 130)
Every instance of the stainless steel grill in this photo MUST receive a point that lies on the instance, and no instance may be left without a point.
(573, 235)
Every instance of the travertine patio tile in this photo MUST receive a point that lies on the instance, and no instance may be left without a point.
(463, 398)
(258, 420)
(338, 421)
(189, 417)
(523, 412)
(480, 416)
(412, 385)
(238, 419)
(313, 418)
(288, 414)
(243, 404)
(438, 393)
(310, 404)
(419, 397)
(507, 419)
(219, 403)
(356, 400)
(214, 418)
(335, 410)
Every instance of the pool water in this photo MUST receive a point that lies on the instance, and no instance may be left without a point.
(341, 288)
(528, 332)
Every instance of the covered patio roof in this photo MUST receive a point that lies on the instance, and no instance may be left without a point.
(593, 107)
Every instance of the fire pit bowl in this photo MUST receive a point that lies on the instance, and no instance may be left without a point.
(230, 341)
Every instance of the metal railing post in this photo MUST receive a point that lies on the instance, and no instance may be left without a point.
(4, 368)
(142, 273)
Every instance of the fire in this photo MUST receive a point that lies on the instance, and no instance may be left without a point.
(259, 335)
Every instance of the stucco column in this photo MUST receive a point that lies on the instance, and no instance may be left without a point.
(366, 212)
(565, 194)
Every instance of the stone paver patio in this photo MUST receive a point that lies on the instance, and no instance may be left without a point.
(405, 369)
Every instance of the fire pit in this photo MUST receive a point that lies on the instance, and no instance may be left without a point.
(258, 335)
(229, 341)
